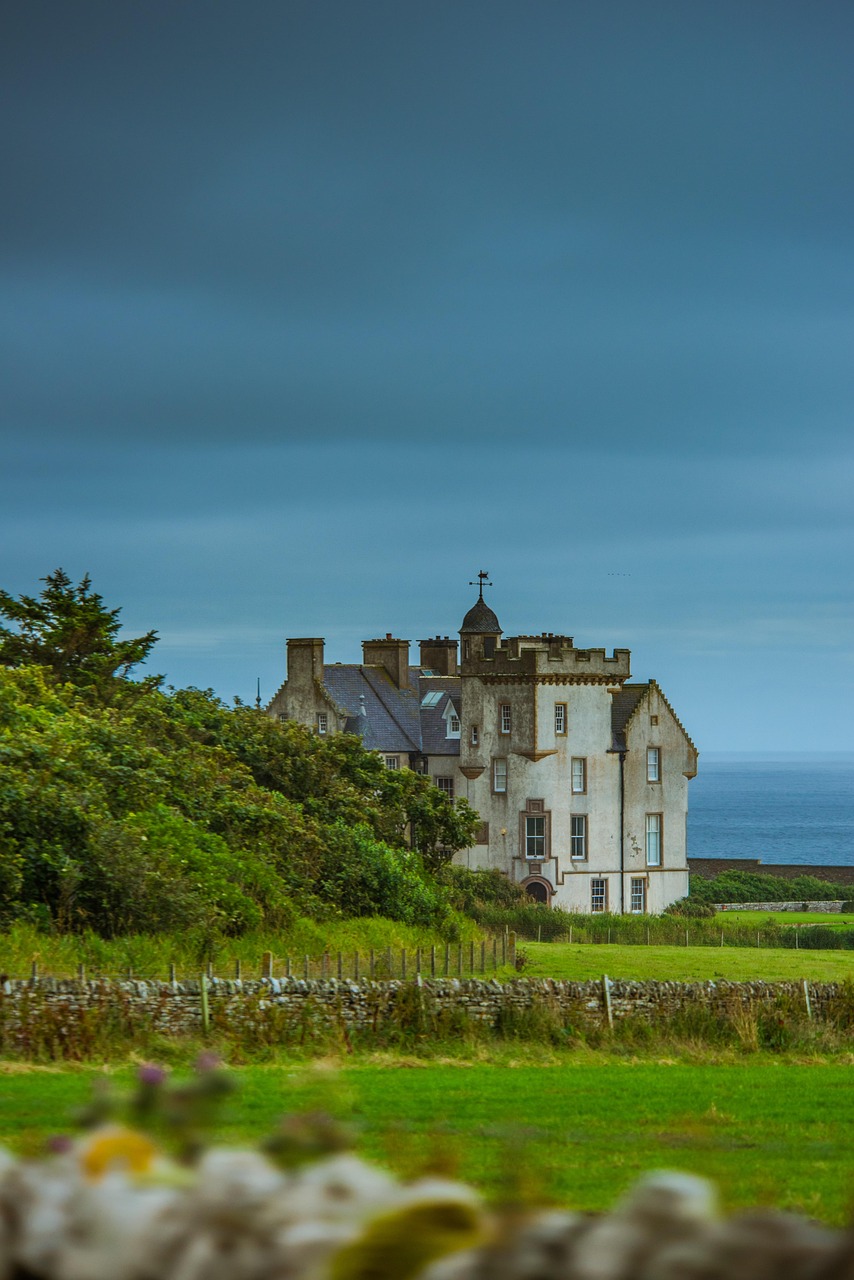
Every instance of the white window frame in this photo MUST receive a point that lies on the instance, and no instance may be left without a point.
(578, 831)
(653, 764)
(322, 724)
(498, 770)
(654, 841)
(474, 735)
(445, 784)
(282, 717)
(560, 719)
(598, 896)
(505, 718)
(637, 896)
(392, 762)
(535, 837)
(578, 774)
(454, 725)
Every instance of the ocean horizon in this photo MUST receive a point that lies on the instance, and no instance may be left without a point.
(780, 807)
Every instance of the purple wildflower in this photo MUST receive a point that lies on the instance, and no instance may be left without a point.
(149, 1073)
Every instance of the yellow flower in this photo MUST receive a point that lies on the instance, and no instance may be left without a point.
(116, 1148)
(398, 1245)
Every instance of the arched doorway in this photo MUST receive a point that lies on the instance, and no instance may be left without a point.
(539, 891)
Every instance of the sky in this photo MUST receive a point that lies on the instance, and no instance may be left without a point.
(312, 309)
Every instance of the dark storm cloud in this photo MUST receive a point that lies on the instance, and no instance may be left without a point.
(335, 220)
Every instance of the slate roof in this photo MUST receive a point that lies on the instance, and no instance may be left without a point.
(623, 706)
(480, 620)
(390, 719)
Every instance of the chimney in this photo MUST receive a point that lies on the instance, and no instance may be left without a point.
(305, 661)
(439, 655)
(392, 655)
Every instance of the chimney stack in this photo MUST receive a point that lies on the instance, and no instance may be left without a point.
(439, 655)
(392, 655)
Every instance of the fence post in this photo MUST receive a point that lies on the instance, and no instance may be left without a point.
(203, 993)
(757, 937)
(267, 965)
(686, 937)
(570, 935)
(609, 933)
(647, 935)
(209, 971)
(483, 955)
(287, 966)
(403, 963)
(722, 937)
(504, 948)
(237, 970)
(494, 953)
(81, 973)
(340, 966)
(447, 959)
(418, 960)
(373, 964)
(460, 960)
(172, 974)
(797, 939)
(807, 1000)
(355, 966)
(324, 965)
(471, 958)
(606, 992)
(305, 967)
(389, 956)
(513, 949)
(539, 933)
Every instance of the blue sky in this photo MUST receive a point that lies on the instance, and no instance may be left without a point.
(309, 311)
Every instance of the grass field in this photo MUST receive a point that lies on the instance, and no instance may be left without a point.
(791, 918)
(683, 964)
(576, 1131)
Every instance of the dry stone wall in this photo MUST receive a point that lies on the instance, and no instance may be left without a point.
(780, 906)
(182, 1008)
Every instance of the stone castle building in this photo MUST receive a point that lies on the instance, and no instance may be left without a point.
(579, 775)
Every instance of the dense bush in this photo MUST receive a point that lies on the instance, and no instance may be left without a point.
(749, 886)
(127, 808)
(691, 909)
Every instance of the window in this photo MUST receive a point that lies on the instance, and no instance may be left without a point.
(653, 720)
(322, 723)
(653, 839)
(474, 735)
(535, 838)
(499, 775)
(504, 718)
(579, 775)
(637, 897)
(466, 649)
(392, 762)
(432, 698)
(598, 896)
(446, 785)
(453, 724)
(560, 717)
(282, 717)
(578, 835)
(653, 764)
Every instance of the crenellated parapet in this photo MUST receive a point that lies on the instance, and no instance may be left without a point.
(543, 659)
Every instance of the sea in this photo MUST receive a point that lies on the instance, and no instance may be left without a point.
(794, 809)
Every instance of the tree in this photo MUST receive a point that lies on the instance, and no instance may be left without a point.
(68, 630)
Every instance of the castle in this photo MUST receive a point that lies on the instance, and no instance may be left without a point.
(580, 777)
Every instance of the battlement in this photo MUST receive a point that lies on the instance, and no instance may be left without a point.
(529, 657)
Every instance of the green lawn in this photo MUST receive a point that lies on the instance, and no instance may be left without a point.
(683, 964)
(759, 918)
(577, 1133)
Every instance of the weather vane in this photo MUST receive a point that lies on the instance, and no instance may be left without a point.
(482, 581)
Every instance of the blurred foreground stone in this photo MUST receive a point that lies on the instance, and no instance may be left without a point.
(110, 1206)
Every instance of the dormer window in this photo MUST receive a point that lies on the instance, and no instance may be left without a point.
(452, 721)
